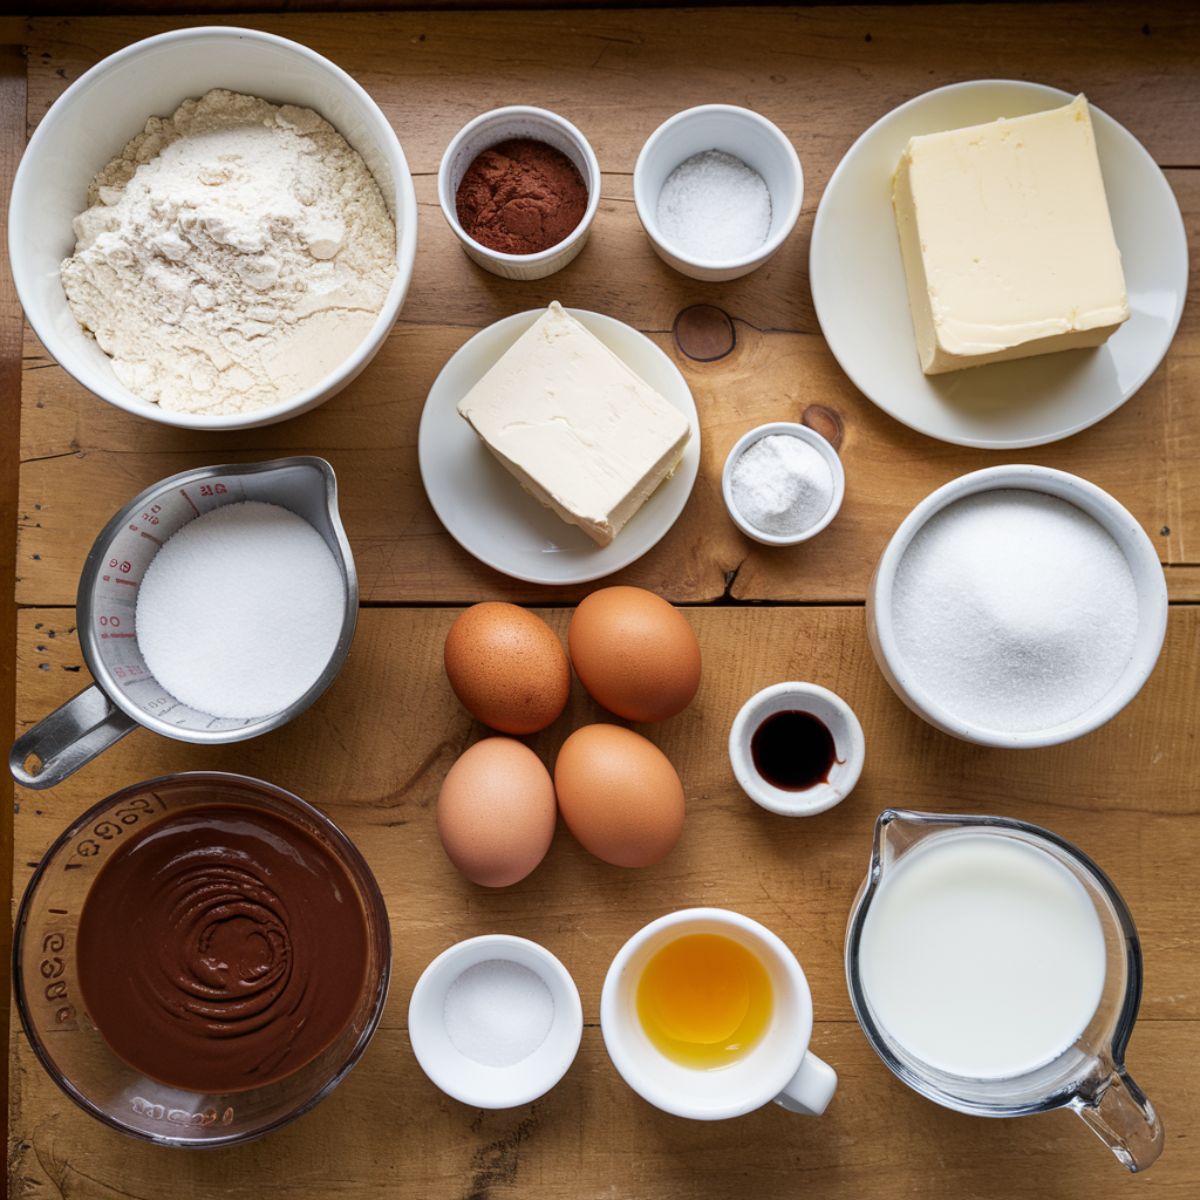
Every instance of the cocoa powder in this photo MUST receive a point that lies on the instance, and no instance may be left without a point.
(521, 196)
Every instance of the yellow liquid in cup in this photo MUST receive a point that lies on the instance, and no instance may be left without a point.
(704, 1000)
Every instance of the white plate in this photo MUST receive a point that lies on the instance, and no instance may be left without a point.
(858, 285)
(487, 511)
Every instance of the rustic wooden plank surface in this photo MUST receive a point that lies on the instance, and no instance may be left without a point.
(12, 142)
(618, 74)
(1124, 794)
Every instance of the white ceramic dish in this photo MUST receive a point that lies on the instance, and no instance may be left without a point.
(471, 1082)
(487, 511)
(1143, 562)
(858, 284)
(818, 443)
(486, 130)
(91, 122)
(779, 1066)
(746, 135)
(850, 748)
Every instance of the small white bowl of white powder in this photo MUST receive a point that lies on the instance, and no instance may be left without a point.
(718, 189)
(782, 483)
(1017, 606)
(495, 1021)
(213, 228)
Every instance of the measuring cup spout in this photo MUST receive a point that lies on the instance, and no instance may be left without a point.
(72, 735)
(1118, 1113)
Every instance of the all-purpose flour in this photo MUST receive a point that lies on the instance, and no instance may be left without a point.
(232, 256)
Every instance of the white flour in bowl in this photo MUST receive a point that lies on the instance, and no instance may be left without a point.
(232, 256)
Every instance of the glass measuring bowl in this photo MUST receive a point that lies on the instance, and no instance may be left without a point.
(125, 693)
(68, 1044)
(1088, 1077)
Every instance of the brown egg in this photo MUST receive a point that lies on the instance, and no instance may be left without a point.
(635, 653)
(495, 812)
(619, 795)
(508, 667)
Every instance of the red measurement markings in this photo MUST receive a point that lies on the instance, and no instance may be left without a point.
(126, 582)
(183, 493)
(150, 537)
(118, 635)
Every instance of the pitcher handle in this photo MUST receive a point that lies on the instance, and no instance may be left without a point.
(810, 1090)
(72, 735)
(1119, 1114)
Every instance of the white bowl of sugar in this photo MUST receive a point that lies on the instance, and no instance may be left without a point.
(718, 189)
(1017, 606)
(89, 125)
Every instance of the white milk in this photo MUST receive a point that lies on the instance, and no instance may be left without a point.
(981, 955)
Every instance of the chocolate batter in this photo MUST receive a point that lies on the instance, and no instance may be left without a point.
(221, 949)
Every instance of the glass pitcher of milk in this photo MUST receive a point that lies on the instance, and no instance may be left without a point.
(995, 969)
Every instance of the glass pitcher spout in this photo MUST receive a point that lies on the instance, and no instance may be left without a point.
(1118, 1113)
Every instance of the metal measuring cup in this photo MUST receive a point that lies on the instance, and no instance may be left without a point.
(125, 693)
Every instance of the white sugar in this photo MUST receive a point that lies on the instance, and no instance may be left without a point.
(240, 611)
(498, 1013)
(1014, 610)
(781, 485)
(714, 207)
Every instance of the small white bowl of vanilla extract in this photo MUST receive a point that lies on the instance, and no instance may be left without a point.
(796, 749)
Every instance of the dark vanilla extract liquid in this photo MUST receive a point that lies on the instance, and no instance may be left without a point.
(793, 750)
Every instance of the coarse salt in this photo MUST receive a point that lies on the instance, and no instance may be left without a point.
(240, 611)
(781, 485)
(1014, 610)
(714, 207)
(498, 1012)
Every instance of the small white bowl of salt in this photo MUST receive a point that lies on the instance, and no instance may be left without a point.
(718, 189)
(783, 483)
(495, 1021)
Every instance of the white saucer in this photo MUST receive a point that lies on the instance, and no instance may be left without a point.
(858, 284)
(487, 511)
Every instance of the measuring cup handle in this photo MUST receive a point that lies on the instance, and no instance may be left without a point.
(72, 735)
(1119, 1114)
(811, 1088)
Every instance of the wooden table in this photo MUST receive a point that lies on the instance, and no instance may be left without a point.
(373, 751)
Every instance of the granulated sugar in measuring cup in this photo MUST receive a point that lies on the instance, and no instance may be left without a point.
(139, 610)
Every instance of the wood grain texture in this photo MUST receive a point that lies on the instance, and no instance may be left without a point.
(618, 74)
(1124, 794)
(12, 142)
(373, 751)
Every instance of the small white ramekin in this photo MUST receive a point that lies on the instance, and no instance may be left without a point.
(814, 439)
(1139, 552)
(849, 748)
(471, 1082)
(91, 122)
(746, 135)
(518, 120)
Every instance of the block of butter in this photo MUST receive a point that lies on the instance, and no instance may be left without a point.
(1007, 241)
(582, 432)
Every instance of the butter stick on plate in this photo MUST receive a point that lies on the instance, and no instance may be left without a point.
(584, 434)
(1007, 241)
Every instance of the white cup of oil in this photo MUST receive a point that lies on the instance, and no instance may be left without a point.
(796, 749)
(495, 1021)
(707, 1014)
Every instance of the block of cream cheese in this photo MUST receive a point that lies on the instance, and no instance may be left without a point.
(1007, 240)
(583, 433)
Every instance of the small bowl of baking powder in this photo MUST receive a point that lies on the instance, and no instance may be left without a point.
(718, 190)
(783, 483)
